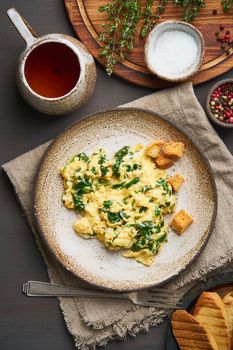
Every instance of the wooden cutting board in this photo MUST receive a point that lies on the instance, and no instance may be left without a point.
(86, 20)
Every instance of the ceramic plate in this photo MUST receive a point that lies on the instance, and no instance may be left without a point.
(88, 259)
(221, 284)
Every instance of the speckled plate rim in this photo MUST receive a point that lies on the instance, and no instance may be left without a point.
(221, 279)
(78, 272)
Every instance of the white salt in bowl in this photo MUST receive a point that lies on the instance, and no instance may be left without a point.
(174, 51)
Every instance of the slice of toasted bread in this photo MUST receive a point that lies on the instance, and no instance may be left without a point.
(190, 334)
(210, 312)
(228, 302)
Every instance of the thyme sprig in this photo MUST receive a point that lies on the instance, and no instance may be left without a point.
(191, 8)
(227, 4)
(118, 31)
(150, 17)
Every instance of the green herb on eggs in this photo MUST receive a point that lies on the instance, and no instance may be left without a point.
(119, 157)
(82, 186)
(107, 204)
(165, 185)
(122, 185)
(78, 203)
(116, 217)
(142, 209)
(83, 156)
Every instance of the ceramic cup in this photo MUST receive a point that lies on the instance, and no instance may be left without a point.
(81, 89)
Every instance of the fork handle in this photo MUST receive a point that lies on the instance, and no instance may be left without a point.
(44, 289)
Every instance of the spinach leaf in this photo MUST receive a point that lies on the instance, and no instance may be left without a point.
(104, 170)
(145, 189)
(119, 157)
(122, 152)
(83, 156)
(102, 159)
(128, 168)
(137, 246)
(134, 167)
(82, 186)
(164, 184)
(161, 239)
(78, 203)
(113, 217)
(116, 217)
(127, 184)
(137, 166)
(134, 181)
(123, 215)
(107, 204)
(142, 209)
(118, 185)
(145, 228)
(157, 211)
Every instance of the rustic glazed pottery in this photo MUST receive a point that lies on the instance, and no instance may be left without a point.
(167, 26)
(208, 109)
(84, 87)
(87, 258)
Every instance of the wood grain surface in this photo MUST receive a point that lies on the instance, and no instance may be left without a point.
(86, 20)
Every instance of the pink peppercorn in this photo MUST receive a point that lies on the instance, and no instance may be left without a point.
(221, 103)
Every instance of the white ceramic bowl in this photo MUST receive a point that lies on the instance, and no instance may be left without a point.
(150, 49)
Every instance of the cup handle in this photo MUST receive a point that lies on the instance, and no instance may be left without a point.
(24, 29)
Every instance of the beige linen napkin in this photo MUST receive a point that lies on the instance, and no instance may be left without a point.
(95, 322)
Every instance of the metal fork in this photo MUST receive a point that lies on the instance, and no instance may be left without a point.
(156, 297)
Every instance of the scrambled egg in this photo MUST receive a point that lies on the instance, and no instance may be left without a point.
(122, 201)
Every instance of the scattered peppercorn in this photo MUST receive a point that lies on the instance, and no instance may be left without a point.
(227, 52)
(221, 103)
(215, 12)
(224, 38)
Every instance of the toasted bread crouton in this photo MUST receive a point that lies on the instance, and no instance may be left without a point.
(228, 302)
(190, 334)
(176, 181)
(173, 149)
(210, 312)
(181, 221)
(163, 162)
(154, 148)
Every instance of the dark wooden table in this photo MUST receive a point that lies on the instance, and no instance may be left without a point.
(37, 323)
